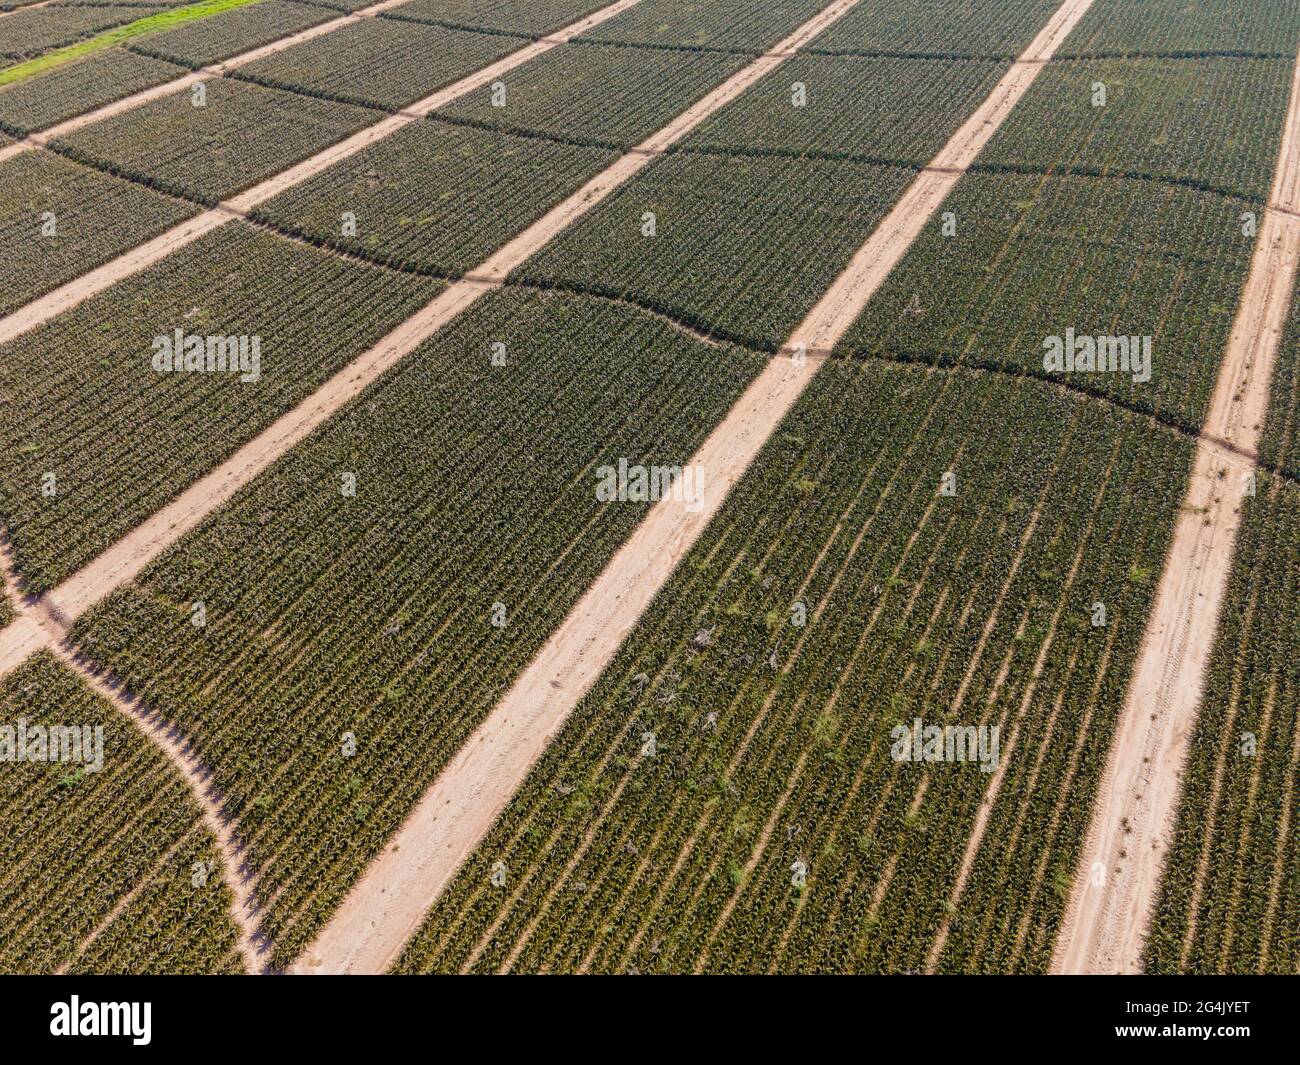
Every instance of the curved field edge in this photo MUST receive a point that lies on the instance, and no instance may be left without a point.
(772, 740)
(108, 868)
(361, 581)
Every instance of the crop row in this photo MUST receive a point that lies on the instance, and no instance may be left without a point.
(118, 3)
(1279, 447)
(726, 797)
(435, 197)
(351, 611)
(96, 437)
(79, 86)
(839, 596)
(1033, 258)
(851, 107)
(253, 278)
(27, 34)
(597, 93)
(603, 93)
(380, 62)
(747, 234)
(1206, 123)
(706, 24)
(947, 28)
(58, 220)
(535, 18)
(1156, 27)
(399, 614)
(340, 5)
(228, 33)
(742, 247)
(108, 870)
(239, 135)
(1230, 896)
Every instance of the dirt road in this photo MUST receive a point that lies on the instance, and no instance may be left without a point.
(69, 295)
(1118, 877)
(170, 88)
(389, 902)
(235, 871)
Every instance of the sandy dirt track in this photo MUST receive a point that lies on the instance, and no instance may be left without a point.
(129, 556)
(1118, 876)
(389, 902)
(26, 7)
(80, 289)
(235, 870)
(170, 88)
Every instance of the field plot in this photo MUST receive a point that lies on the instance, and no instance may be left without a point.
(26, 34)
(242, 134)
(343, 5)
(58, 220)
(474, 191)
(772, 739)
(350, 615)
(138, 3)
(1278, 446)
(1230, 897)
(1209, 122)
(745, 243)
(80, 86)
(380, 62)
(743, 247)
(893, 110)
(947, 28)
(86, 403)
(1035, 256)
(231, 32)
(533, 17)
(709, 24)
(1206, 27)
(101, 866)
(960, 525)
(599, 94)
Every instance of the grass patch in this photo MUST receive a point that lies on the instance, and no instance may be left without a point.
(164, 20)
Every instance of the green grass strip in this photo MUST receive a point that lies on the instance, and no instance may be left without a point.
(164, 20)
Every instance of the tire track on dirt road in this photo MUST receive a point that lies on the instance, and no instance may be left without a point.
(82, 288)
(1104, 928)
(237, 872)
(391, 899)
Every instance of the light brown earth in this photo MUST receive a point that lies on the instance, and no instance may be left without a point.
(1104, 929)
(389, 902)
(170, 88)
(236, 872)
(129, 556)
(26, 7)
(69, 295)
